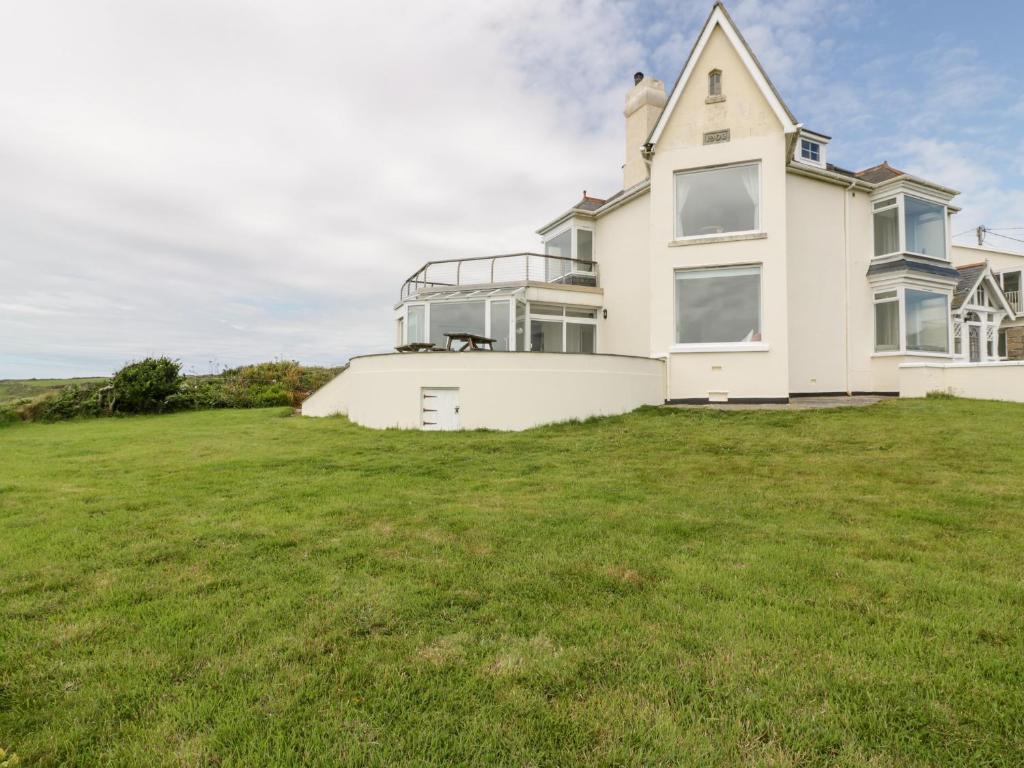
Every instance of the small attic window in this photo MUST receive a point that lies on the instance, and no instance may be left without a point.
(715, 83)
(810, 150)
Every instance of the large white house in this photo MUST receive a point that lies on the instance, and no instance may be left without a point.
(736, 264)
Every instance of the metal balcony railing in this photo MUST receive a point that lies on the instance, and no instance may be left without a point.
(508, 269)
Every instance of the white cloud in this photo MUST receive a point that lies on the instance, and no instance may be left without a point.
(235, 182)
(177, 162)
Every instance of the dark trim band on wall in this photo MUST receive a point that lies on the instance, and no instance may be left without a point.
(819, 394)
(730, 401)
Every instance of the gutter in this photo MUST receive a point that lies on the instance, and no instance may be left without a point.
(635, 191)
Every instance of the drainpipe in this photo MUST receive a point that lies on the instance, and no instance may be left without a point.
(668, 373)
(846, 282)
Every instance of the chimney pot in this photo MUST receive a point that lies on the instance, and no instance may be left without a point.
(637, 78)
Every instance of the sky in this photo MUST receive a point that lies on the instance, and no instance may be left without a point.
(230, 182)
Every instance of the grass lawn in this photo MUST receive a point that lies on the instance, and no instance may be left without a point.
(672, 587)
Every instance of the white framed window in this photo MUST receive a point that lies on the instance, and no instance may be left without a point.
(572, 242)
(907, 224)
(574, 247)
(557, 328)
(718, 201)
(887, 227)
(416, 324)
(810, 151)
(887, 321)
(456, 317)
(925, 226)
(912, 321)
(927, 321)
(718, 306)
(499, 323)
(429, 321)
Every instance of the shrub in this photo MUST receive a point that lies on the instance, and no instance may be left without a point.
(145, 386)
(67, 403)
(282, 382)
(155, 385)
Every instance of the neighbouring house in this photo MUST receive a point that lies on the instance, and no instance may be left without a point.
(736, 264)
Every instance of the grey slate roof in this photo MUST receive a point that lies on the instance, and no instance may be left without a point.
(969, 275)
(912, 265)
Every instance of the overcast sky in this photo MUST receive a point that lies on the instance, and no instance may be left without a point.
(237, 181)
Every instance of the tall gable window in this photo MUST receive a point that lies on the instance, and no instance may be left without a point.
(718, 201)
(715, 83)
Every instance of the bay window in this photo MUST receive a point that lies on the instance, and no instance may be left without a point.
(717, 201)
(926, 227)
(907, 224)
(887, 227)
(574, 249)
(720, 305)
(887, 321)
(927, 321)
(911, 320)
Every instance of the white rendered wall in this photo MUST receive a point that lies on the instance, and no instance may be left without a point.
(755, 135)
(497, 390)
(980, 381)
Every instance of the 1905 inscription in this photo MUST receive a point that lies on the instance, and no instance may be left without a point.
(716, 137)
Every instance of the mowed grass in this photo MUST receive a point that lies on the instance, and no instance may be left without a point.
(671, 587)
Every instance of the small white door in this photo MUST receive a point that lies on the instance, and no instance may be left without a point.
(440, 409)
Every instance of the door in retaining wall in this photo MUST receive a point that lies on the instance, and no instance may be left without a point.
(439, 409)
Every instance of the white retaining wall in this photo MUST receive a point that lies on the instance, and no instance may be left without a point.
(497, 390)
(980, 381)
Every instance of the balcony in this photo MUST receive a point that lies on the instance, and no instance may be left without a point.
(1013, 299)
(508, 269)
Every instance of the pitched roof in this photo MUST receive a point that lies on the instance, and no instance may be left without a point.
(879, 173)
(719, 17)
(969, 277)
(589, 203)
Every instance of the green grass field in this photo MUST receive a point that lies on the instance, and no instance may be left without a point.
(672, 587)
(13, 390)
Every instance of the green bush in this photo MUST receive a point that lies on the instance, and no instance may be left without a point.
(282, 382)
(67, 403)
(155, 385)
(145, 386)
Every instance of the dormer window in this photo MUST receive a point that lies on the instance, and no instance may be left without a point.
(810, 150)
(715, 83)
